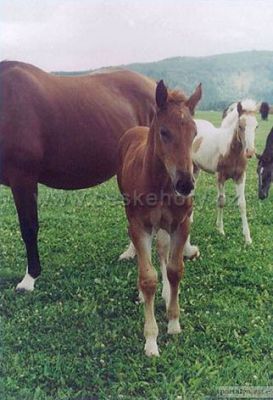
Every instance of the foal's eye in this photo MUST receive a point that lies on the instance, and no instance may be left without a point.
(165, 135)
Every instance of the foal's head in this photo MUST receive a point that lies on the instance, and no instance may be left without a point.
(175, 130)
(247, 125)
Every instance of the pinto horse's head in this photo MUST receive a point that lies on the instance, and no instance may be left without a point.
(175, 130)
(265, 174)
(247, 126)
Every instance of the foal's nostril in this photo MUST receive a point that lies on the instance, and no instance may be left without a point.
(184, 187)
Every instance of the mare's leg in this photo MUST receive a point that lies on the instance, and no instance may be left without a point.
(163, 249)
(24, 191)
(221, 199)
(240, 192)
(129, 253)
(147, 281)
(175, 269)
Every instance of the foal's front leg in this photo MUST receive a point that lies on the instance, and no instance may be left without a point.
(221, 200)
(240, 192)
(175, 269)
(147, 282)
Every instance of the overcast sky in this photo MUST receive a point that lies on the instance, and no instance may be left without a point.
(83, 34)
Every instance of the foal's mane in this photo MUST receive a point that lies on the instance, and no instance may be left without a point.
(249, 106)
(230, 118)
(176, 97)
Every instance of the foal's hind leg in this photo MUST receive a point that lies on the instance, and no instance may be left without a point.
(163, 249)
(25, 196)
(240, 192)
(190, 251)
(221, 199)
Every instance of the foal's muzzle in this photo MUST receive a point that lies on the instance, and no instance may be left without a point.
(184, 184)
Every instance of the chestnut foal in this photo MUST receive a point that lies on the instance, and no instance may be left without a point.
(155, 176)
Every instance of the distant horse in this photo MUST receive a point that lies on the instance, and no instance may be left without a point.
(265, 167)
(155, 178)
(264, 110)
(63, 132)
(225, 151)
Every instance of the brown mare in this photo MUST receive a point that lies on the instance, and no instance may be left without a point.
(155, 177)
(62, 132)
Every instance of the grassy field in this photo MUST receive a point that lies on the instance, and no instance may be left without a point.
(78, 336)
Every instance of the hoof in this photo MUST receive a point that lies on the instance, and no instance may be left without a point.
(26, 285)
(151, 348)
(221, 231)
(174, 327)
(128, 254)
(193, 254)
(248, 241)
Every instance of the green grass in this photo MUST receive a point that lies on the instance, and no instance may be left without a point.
(78, 336)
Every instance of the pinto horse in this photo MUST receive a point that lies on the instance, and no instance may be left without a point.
(155, 176)
(265, 167)
(225, 151)
(63, 132)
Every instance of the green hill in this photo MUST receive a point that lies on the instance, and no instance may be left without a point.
(225, 78)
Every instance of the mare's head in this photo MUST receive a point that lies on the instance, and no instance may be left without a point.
(175, 129)
(265, 168)
(247, 125)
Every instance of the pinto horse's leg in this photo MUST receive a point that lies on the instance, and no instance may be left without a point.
(175, 269)
(147, 282)
(24, 192)
(163, 249)
(221, 199)
(240, 192)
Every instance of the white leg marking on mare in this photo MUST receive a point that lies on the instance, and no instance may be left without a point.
(27, 284)
(220, 207)
(129, 253)
(174, 327)
(190, 251)
(240, 192)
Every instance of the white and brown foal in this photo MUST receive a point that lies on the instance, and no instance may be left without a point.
(155, 176)
(224, 151)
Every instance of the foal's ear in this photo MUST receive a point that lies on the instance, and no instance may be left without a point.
(239, 108)
(161, 94)
(193, 100)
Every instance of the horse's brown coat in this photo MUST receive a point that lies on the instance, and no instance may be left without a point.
(63, 132)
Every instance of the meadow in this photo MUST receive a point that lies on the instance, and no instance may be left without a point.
(79, 335)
